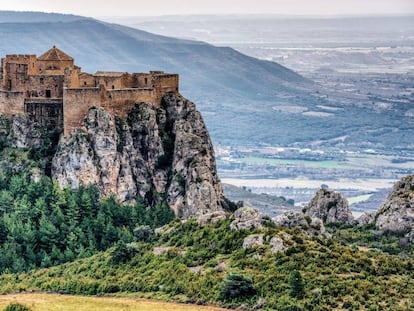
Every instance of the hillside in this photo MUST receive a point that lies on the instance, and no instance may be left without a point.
(181, 264)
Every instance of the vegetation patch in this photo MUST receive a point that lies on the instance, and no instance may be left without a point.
(311, 274)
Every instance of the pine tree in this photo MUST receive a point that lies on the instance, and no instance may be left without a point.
(296, 284)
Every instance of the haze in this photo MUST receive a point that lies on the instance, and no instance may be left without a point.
(98, 8)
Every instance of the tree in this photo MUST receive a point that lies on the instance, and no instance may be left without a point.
(296, 284)
(143, 233)
(236, 286)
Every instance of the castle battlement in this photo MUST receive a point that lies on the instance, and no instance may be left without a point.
(55, 93)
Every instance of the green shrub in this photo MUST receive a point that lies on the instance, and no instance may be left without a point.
(236, 286)
(123, 253)
(17, 307)
(143, 233)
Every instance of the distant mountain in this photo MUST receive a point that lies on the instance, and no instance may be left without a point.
(36, 17)
(97, 45)
(244, 101)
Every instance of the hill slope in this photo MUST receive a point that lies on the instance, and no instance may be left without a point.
(182, 264)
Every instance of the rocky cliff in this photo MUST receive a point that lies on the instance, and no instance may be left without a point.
(330, 206)
(155, 154)
(397, 213)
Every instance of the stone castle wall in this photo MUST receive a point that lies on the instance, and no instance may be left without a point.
(54, 92)
(76, 103)
(12, 103)
(45, 86)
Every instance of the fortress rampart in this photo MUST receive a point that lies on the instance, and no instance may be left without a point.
(53, 91)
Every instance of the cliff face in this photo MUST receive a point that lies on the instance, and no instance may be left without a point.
(18, 132)
(397, 213)
(157, 153)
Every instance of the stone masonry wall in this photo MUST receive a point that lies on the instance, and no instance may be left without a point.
(77, 102)
(11, 103)
(45, 86)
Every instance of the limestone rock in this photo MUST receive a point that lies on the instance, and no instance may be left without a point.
(211, 218)
(397, 213)
(366, 219)
(330, 206)
(246, 218)
(291, 220)
(253, 240)
(277, 244)
(309, 225)
(158, 152)
(19, 132)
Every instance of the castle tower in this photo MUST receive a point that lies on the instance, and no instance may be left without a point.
(54, 62)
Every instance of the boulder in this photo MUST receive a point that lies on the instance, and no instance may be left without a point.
(366, 219)
(246, 218)
(330, 206)
(253, 240)
(309, 226)
(277, 244)
(211, 218)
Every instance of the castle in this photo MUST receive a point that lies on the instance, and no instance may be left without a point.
(52, 91)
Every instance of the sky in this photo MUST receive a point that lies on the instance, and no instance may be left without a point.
(99, 8)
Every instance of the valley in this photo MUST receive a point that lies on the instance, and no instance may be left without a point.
(352, 132)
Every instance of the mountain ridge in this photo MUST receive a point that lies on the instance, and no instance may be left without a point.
(128, 49)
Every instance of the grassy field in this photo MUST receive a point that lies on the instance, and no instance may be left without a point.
(56, 302)
(358, 199)
(306, 163)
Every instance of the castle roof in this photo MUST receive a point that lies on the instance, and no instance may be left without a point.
(55, 54)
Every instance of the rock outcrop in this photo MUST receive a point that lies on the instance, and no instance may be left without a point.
(157, 153)
(253, 240)
(19, 132)
(31, 146)
(310, 226)
(366, 219)
(330, 206)
(397, 213)
(246, 218)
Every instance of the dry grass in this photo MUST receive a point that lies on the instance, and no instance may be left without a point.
(56, 302)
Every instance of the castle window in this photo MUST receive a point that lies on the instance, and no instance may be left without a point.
(48, 94)
(146, 81)
(84, 83)
(41, 80)
(113, 86)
